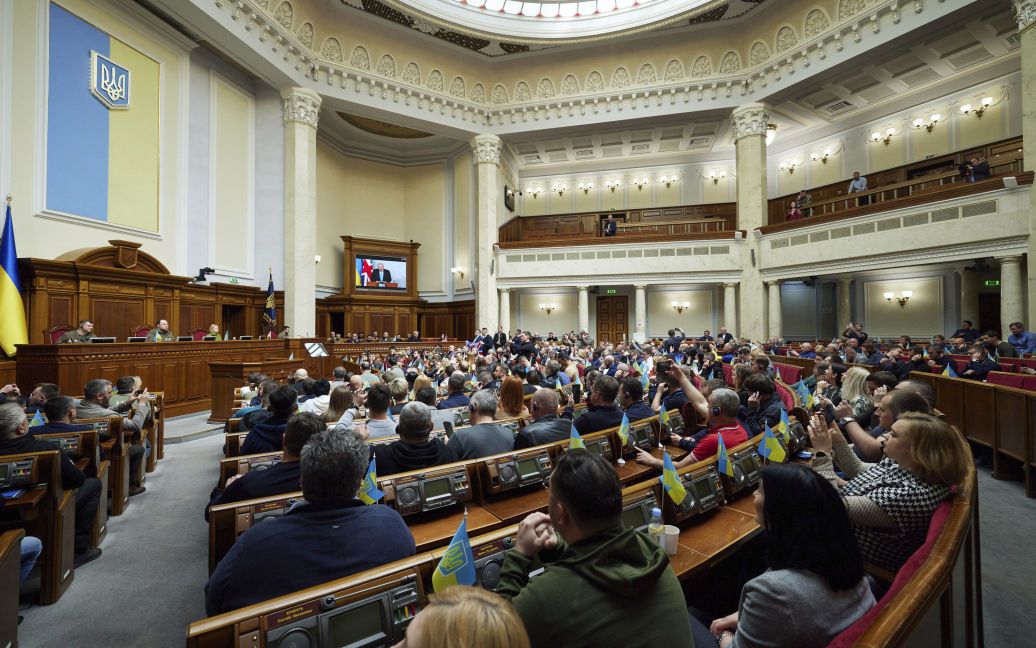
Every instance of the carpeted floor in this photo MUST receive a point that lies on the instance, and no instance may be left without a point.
(148, 585)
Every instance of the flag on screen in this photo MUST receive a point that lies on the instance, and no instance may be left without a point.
(37, 419)
(671, 481)
(723, 462)
(457, 566)
(369, 492)
(13, 329)
(624, 429)
(770, 447)
(804, 394)
(270, 312)
(948, 371)
(574, 440)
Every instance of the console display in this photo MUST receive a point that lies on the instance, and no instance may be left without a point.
(600, 447)
(436, 488)
(15, 473)
(528, 468)
(704, 493)
(640, 436)
(676, 425)
(515, 471)
(748, 470)
(420, 493)
(636, 514)
(360, 626)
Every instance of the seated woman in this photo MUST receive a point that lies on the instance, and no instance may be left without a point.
(341, 400)
(890, 503)
(464, 617)
(814, 586)
(855, 392)
(512, 400)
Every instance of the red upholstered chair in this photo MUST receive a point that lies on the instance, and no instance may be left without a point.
(691, 420)
(140, 331)
(959, 365)
(1006, 378)
(849, 636)
(1028, 382)
(54, 333)
(1009, 367)
(786, 395)
(198, 334)
(790, 374)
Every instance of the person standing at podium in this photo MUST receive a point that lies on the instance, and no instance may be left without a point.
(160, 333)
(381, 275)
(83, 333)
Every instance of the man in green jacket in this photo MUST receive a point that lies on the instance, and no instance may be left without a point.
(160, 333)
(602, 584)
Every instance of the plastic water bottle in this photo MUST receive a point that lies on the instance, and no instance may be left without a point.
(655, 528)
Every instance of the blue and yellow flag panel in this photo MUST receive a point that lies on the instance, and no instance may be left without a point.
(663, 415)
(13, 329)
(574, 440)
(369, 492)
(770, 447)
(804, 395)
(783, 425)
(948, 371)
(671, 481)
(723, 462)
(624, 429)
(102, 125)
(457, 566)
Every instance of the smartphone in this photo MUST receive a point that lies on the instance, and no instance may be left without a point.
(448, 427)
(804, 455)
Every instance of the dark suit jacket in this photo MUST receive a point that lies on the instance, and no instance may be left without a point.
(500, 340)
(547, 429)
(381, 275)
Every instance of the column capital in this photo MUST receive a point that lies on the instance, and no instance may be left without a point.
(750, 119)
(486, 148)
(775, 282)
(504, 291)
(301, 105)
(730, 284)
(640, 286)
(1025, 13)
(583, 288)
(1014, 258)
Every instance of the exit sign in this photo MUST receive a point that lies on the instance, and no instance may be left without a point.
(612, 291)
(992, 282)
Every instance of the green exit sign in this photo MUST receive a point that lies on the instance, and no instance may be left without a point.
(992, 282)
(612, 291)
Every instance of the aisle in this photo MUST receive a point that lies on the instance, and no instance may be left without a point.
(149, 583)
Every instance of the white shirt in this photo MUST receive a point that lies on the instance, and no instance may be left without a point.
(317, 405)
(858, 184)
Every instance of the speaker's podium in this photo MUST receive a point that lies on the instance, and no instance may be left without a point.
(227, 376)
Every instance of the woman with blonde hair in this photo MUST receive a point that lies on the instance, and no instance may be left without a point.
(400, 391)
(891, 502)
(341, 400)
(512, 399)
(854, 391)
(466, 617)
(421, 382)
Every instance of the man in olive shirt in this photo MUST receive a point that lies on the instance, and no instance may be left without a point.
(82, 334)
(160, 333)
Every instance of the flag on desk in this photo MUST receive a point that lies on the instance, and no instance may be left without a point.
(13, 329)
(270, 312)
(783, 426)
(804, 394)
(723, 462)
(37, 419)
(948, 371)
(369, 493)
(457, 565)
(624, 429)
(574, 440)
(671, 481)
(663, 415)
(770, 447)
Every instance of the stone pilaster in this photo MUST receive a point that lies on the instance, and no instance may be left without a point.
(1011, 292)
(774, 328)
(640, 311)
(968, 295)
(749, 123)
(844, 309)
(505, 309)
(730, 308)
(485, 151)
(1025, 12)
(584, 310)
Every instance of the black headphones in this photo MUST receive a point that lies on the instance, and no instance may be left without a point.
(716, 411)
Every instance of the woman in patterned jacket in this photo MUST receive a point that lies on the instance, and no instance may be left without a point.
(891, 502)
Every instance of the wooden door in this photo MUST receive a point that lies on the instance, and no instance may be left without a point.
(612, 318)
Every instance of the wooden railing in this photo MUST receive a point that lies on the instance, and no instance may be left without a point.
(632, 237)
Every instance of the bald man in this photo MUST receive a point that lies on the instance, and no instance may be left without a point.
(546, 426)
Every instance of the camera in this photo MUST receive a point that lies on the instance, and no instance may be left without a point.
(663, 367)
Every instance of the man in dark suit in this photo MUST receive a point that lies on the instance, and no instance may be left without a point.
(61, 412)
(609, 227)
(603, 413)
(500, 338)
(546, 426)
(381, 275)
(672, 344)
(415, 449)
(284, 554)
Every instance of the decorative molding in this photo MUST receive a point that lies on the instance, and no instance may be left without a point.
(301, 105)
(1025, 14)
(750, 119)
(485, 149)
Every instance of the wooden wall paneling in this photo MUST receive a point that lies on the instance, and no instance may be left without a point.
(980, 415)
(8, 373)
(60, 310)
(1030, 462)
(115, 317)
(1012, 422)
(950, 398)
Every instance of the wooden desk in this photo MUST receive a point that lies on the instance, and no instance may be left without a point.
(437, 532)
(716, 534)
(514, 508)
(744, 504)
(27, 500)
(226, 376)
(10, 568)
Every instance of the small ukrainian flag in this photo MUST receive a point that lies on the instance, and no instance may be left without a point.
(574, 440)
(37, 419)
(723, 462)
(948, 371)
(804, 394)
(624, 429)
(671, 481)
(369, 492)
(457, 566)
(663, 415)
(770, 447)
(783, 425)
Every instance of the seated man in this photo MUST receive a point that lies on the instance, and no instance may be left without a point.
(867, 443)
(966, 332)
(124, 390)
(426, 396)
(96, 404)
(279, 478)
(415, 449)
(455, 392)
(267, 435)
(605, 584)
(61, 412)
(379, 425)
(40, 394)
(298, 381)
(546, 425)
(936, 357)
(83, 333)
(329, 535)
(483, 437)
(668, 391)
(307, 390)
(603, 413)
(15, 439)
(631, 395)
(724, 405)
(320, 400)
(1002, 348)
(761, 407)
(1023, 341)
(161, 333)
(981, 364)
(533, 379)
(805, 351)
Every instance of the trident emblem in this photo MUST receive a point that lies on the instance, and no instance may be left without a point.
(109, 81)
(113, 84)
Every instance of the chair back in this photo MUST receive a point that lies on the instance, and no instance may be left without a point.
(140, 331)
(198, 334)
(785, 393)
(55, 332)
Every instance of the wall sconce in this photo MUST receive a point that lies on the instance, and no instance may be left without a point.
(788, 166)
(716, 177)
(680, 308)
(641, 183)
(889, 133)
(901, 300)
(930, 124)
(966, 109)
(561, 189)
(821, 157)
(457, 270)
(771, 133)
(612, 184)
(668, 180)
(586, 186)
(534, 191)
(316, 258)
(548, 308)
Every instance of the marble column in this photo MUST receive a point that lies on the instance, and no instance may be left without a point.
(301, 110)
(774, 329)
(968, 295)
(640, 312)
(1011, 291)
(485, 150)
(749, 123)
(584, 309)
(844, 309)
(1025, 12)
(730, 308)
(505, 309)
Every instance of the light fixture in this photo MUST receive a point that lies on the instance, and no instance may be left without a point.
(901, 300)
(978, 112)
(561, 189)
(668, 180)
(889, 133)
(716, 177)
(534, 191)
(548, 308)
(458, 270)
(771, 133)
(612, 184)
(927, 125)
(316, 258)
(681, 307)
(821, 157)
(586, 186)
(641, 183)
(788, 166)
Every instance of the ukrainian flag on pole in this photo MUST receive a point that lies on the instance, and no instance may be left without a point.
(782, 426)
(457, 566)
(574, 440)
(671, 481)
(948, 371)
(770, 447)
(12, 325)
(369, 492)
(624, 429)
(723, 462)
(804, 394)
